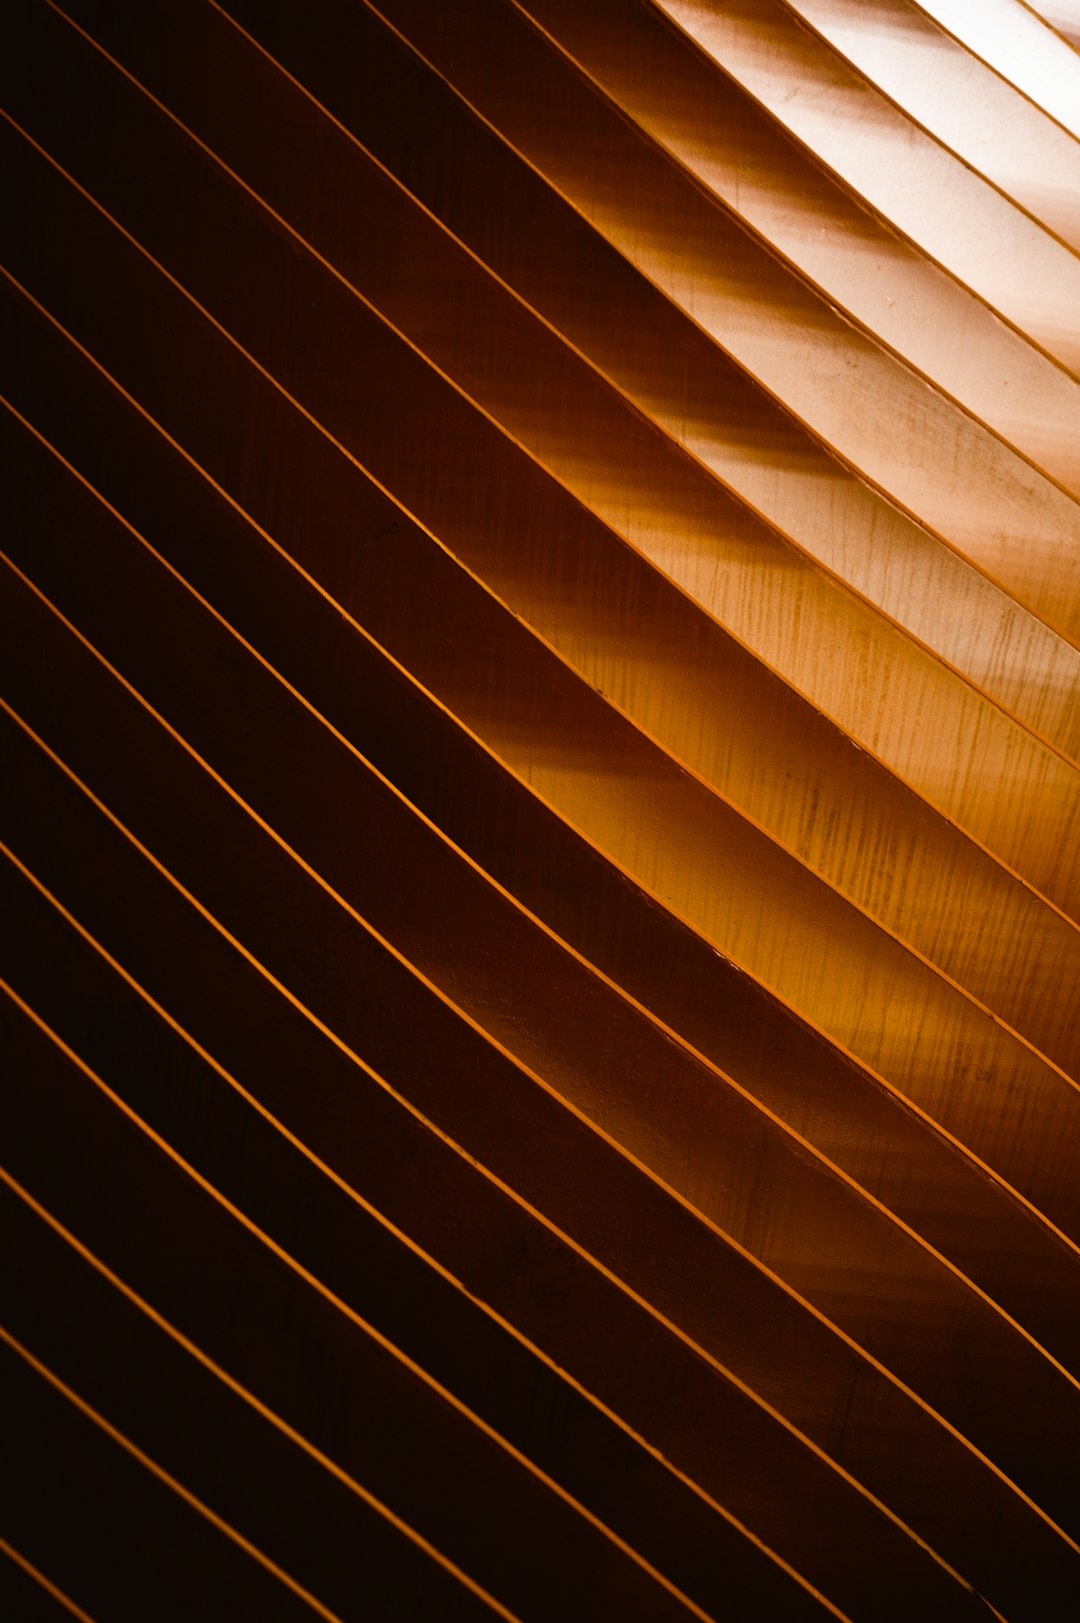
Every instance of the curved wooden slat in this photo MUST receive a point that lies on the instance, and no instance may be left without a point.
(960, 101)
(540, 692)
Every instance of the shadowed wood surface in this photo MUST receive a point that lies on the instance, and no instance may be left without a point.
(540, 855)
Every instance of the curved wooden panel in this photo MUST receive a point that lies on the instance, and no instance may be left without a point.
(539, 687)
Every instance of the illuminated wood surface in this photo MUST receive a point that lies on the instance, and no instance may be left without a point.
(539, 663)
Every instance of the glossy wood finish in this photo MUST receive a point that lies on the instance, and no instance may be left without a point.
(542, 874)
(961, 101)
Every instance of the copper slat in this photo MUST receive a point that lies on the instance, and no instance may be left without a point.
(928, 929)
(492, 1228)
(549, 1047)
(271, 624)
(936, 463)
(753, 1329)
(565, 697)
(953, 95)
(1015, 42)
(937, 204)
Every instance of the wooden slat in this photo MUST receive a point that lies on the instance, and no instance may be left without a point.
(538, 689)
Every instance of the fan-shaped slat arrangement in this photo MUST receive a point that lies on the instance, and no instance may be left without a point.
(540, 669)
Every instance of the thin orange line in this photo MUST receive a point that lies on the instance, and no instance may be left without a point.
(1028, 734)
(793, 268)
(616, 388)
(788, 1131)
(1071, 44)
(812, 874)
(744, 367)
(999, 73)
(46, 1583)
(196, 1352)
(505, 433)
(158, 1471)
(817, 33)
(902, 1100)
(404, 1239)
(641, 1301)
(310, 1279)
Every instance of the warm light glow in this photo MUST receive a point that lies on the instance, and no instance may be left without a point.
(540, 854)
(1018, 45)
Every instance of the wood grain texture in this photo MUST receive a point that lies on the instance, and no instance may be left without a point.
(540, 701)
